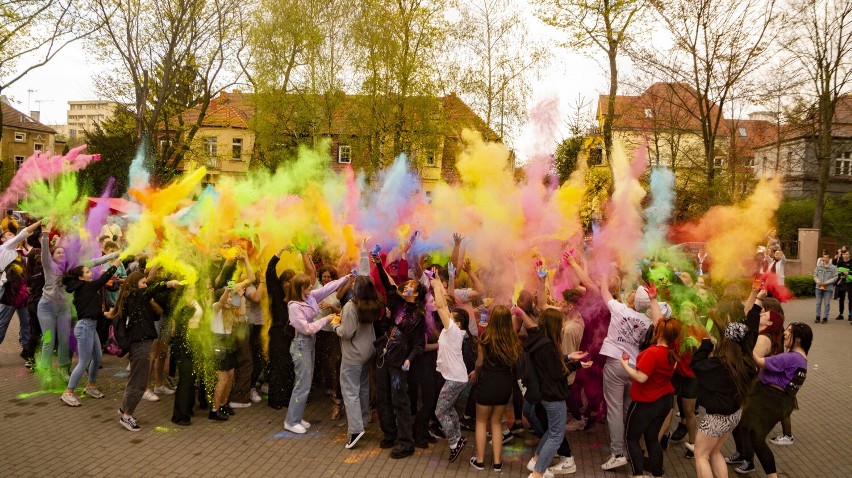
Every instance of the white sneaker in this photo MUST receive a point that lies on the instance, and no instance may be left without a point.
(297, 428)
(565, 466)
(531, 464)
(689, 446)
(255, 397)
(305, 424)
(164, 390)
(70, 399)
(546, 474)
(781, 440)
(128, 367)
(614, 462)
(150, 396)
(575, 425)
(239, 405)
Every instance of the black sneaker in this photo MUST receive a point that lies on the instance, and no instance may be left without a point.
(734, 459)
(184, 422)
(479, 466)
(387, 443)
(401, 452)
(436, 432)
(421, 443)
(679, 433)
(468, 424)
(824, 321)
(218, 415)
(517, 429)
(816, 321)
(508, 437)
(227, 409)
(129, 423)
(455, 452)
(689, 454)
(353, 439)
(664, 442)
(745, 468)
(839, 317)
(498, 467)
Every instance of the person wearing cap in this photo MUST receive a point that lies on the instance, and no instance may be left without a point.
(627, 327)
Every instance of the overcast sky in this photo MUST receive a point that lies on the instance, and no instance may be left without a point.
(567, 76)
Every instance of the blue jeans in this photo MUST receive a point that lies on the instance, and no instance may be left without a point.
(88, 350)
(6, 312)
(823, 297)
(557, 415)
(302, 350)
(532, 418)
(355, 388)
(55, 321)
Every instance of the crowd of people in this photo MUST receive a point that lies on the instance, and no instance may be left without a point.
(424, 343)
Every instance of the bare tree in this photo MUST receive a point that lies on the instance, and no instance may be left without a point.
(34, 32)
(173, 54)
(499, 57)
(820, 42)
(605, 25)
(717, 45)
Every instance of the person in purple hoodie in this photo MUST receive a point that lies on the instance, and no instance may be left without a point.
(774, 396)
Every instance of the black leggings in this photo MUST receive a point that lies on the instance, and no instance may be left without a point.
(646, 419)
(281, 372)
(842, 293)
(765, 408)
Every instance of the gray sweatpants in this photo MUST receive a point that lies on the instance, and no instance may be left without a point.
(137, 381)
(616, 389)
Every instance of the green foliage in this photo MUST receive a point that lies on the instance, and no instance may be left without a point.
(565, 158)
(796, 213)
(115, 140)
(800, 286)
(598, 183)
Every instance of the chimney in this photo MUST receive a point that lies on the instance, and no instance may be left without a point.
(36, 115)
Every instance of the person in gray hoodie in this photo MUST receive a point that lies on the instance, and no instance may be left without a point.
(357, 335)
(825, 275)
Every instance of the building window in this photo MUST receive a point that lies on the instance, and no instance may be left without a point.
(19, 160)
(718, 162)
(843, 165)
(649, 113)
(344, 154)
(430, 158)
(237, 149)
(210, 147)
(742, 132)
(165, 143)
(20, 137)
(748, 162)
(39, 148)
(72, 133)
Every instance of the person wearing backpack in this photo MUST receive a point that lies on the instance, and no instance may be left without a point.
(549, 372)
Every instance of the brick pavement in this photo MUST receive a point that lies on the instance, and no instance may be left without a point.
(40, 437)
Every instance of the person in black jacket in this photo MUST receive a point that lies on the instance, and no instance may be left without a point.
(281, 371)
(724, 381)
(401, 339)
(134, 307)
(544, 346)
(88, 300)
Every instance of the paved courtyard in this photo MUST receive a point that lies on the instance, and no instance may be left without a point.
(41, 437)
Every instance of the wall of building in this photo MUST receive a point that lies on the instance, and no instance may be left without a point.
(84, 115)
(14, 152)
(224, 162)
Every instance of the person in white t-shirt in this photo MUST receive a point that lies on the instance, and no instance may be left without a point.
(451, 366)
(627, 329)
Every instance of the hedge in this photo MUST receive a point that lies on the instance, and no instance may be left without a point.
(800, 286)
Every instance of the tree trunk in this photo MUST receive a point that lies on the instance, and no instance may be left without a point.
(823, 153)
(610, 106)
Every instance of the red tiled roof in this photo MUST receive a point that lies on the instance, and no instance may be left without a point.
(662, 106)
(757, 132)
(13, 118)
(236, 109)
(841, 125)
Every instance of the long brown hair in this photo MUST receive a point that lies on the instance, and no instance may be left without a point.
(299, 282)
(550, 322)
(499, 339)
(130, 284)
(739, 363)
(366, 300)
(669, 330)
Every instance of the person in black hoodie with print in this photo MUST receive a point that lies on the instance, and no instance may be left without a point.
(134, 307)
(401, 340)
(281, 371)
(88, 300)
(544, 346)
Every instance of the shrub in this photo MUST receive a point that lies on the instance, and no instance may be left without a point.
(800, 286)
